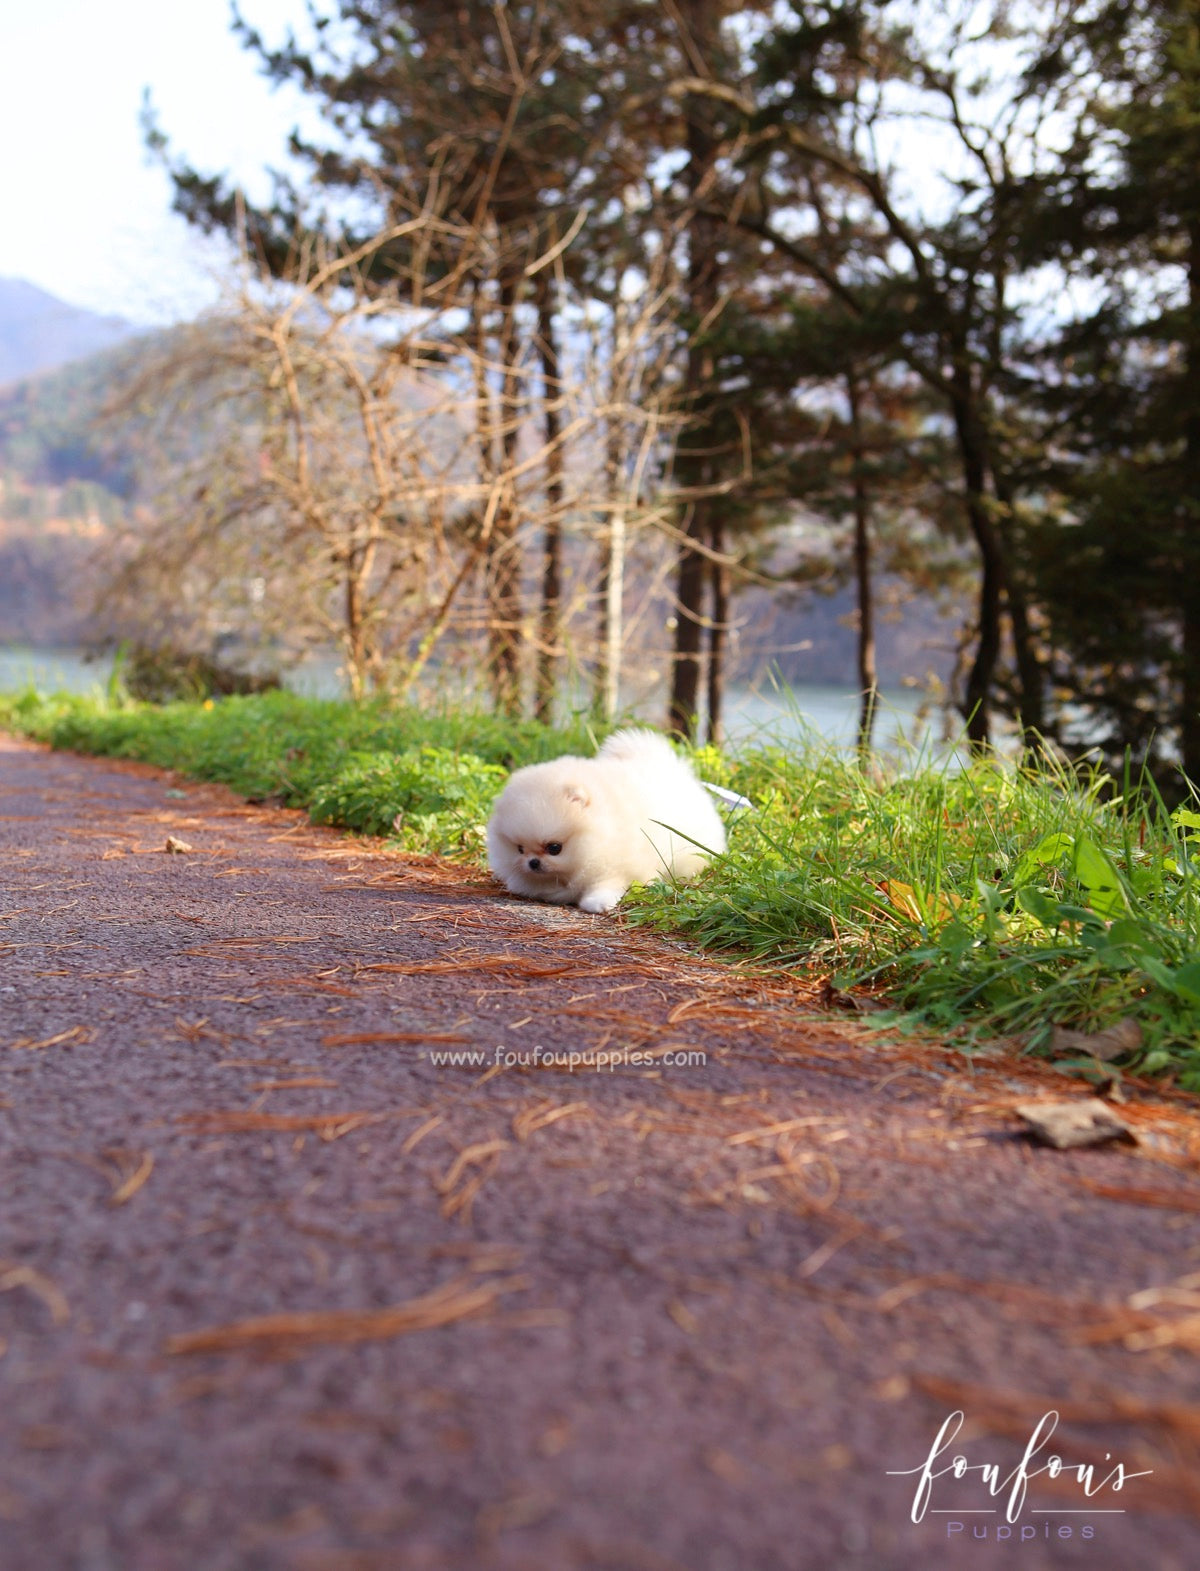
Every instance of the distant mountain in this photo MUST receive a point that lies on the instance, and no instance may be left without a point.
(63, 490)
(39, 332)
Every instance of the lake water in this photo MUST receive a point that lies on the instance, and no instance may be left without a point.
(51, 670)
(765, 713)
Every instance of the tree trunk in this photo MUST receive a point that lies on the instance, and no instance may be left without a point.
(355, 653)
(868, 677)
(606, 692)
(1189, 554)
(549, 625)
(503, 574)
(1031, 677)
(977, 701)
(1189, 689)
(718, 573)
(683, 711)
(692, 464)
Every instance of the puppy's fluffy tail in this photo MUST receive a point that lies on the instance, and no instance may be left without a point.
(640, 747)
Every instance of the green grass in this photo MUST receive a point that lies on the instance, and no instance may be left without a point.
(425, 778)
(988, 901)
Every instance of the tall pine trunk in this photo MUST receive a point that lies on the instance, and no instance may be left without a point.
(977, 700)
(606, 691)
(1189, 554)
(549, 622)
(718, 629)
(1031, 675)
(868, 678)
(687, 660)
(697, 24)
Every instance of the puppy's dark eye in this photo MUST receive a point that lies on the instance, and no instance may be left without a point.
(553, 848)
(520, 850)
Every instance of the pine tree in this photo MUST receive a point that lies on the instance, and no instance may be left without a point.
(1123, 585)
(941, 285)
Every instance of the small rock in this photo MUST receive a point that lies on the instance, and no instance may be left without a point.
(176, 847)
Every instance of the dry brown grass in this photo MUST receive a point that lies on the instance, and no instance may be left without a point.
(327, 1126)
(13, 1275)
(362, 1038)
(464, 1297)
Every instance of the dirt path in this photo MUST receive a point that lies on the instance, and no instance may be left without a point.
(276, 1290)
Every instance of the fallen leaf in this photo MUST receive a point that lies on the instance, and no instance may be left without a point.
(1113, 1042)
(176, 847)
(861, 1003)
(918, 906)
(1080, 1122)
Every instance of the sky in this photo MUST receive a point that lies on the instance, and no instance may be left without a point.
(84, 209)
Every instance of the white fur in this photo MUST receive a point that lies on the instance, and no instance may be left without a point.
(614, 817)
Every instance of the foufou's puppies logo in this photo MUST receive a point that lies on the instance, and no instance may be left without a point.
(1098, 1482)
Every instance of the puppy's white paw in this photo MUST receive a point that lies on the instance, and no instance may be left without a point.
(603, 898)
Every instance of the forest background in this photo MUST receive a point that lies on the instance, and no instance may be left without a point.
(589, 325)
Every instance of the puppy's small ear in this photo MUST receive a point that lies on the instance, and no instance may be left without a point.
(576, 794)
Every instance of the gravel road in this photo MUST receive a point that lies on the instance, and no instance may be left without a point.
(282, 1286)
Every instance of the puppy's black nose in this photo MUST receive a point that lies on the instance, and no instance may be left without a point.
(535, 864)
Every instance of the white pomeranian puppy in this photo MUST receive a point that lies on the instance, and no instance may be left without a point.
(579, 831)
